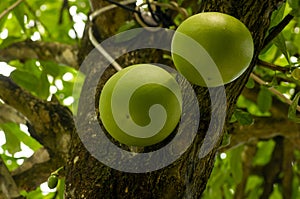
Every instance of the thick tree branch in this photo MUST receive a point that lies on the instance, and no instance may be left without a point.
(8, 186)
(248, 155)
(57, 52)
(288, 158)
(9, 114)
(40, 156)
(262, 129)
(271, 170)
(51, 121)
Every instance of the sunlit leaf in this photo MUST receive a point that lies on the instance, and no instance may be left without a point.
(25, 79)
(292, 114)
(256, 191)
(13, 143)
(10, 161)
(277, 15)
(279, 41)
(14, 130)
(264, 152)
(19, 13)
(51, 68)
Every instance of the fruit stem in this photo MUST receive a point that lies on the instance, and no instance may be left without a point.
(57, 171)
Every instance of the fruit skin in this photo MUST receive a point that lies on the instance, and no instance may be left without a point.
(296, 74)
(52, 181)
(227, 41)
(141, 89)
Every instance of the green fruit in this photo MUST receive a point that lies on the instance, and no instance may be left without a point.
(140, 105)
(52, 181)
(296, 74)
(212, 49)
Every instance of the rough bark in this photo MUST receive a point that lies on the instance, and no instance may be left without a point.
(45, 51)
(187, 177)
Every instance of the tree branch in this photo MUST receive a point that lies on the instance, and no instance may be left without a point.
(40, 156)
(5, 12)
(262, 129)
(272, 66)
(9, 114)
(52, 122)
(7, 183)
(288, 158)
(248, 155)
(57, 52)
(38, 173)
(273, 90)
(277, 29)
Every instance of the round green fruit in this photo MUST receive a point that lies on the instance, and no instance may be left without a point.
(140, 105)
(296, 74)
(52, 181)
(212, 49)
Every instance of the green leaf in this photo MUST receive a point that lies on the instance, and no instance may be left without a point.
(19, 13)
(243, 117)
(276, 194)
(61, 188)
(264, 152)
(280, 43)
(38, 194)
(295, 5)
(2, 21)
(293, 109)
(43, 86)
(253, 187)
(277, 16)
(264, 99)
(11, 162)
(14, 130)
(12, 144)
(250, 83)
(236, 167)
(25, 79)
(51, 68)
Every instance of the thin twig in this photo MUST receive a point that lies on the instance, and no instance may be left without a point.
(272, 66)
(273, 90)
(277, 29)
(10, 8)
(103, 51)
(93, 39)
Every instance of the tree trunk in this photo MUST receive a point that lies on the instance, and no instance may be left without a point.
(87, 177)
